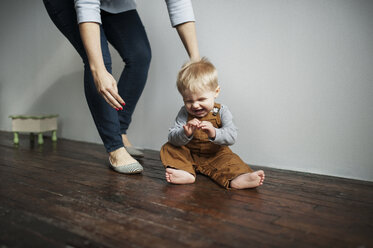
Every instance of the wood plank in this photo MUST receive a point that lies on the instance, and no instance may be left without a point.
(65, 195)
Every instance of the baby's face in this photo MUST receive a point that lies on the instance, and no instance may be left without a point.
(199, 104)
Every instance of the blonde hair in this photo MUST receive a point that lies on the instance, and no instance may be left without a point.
(196, 76)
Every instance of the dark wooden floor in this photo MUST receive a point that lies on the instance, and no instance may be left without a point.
(65, 195)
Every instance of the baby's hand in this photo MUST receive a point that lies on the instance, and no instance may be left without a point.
(208, 128)
(191, 126)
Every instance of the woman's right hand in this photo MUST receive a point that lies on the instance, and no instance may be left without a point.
(108, 89)
(104, 81)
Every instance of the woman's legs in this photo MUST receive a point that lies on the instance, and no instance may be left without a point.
(106, 118)
(127, 35)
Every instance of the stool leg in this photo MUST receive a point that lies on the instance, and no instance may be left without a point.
(54, 135)
(40, 139)
(16, 139)
(32, 137)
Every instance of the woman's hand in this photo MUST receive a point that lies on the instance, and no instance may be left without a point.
(187, 34)
(107, 87)
(104, 81)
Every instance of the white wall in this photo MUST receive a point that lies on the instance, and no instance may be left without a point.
(297, 75)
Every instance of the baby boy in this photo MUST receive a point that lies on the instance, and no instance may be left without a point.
(202, 132)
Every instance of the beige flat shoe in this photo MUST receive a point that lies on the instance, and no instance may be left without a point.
(134, 152)
(132, 168)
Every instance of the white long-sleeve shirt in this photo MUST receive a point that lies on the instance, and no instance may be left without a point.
(180, 11)
(226, 135)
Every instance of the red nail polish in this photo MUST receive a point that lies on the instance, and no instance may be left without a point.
(123, 103)
(116, 109)
(121, 108)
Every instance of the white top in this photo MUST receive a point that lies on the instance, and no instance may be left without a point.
(180, 11)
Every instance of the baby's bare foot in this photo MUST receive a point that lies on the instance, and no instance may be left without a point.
(179, 176)
(248, 180)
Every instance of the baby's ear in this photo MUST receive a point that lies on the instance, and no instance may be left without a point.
(217, 91)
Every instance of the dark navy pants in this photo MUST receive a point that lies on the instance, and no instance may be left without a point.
(127, 35)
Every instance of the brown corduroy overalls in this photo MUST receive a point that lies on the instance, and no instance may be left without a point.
(201, 155)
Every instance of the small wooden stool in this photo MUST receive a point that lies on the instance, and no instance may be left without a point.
(34, 124)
